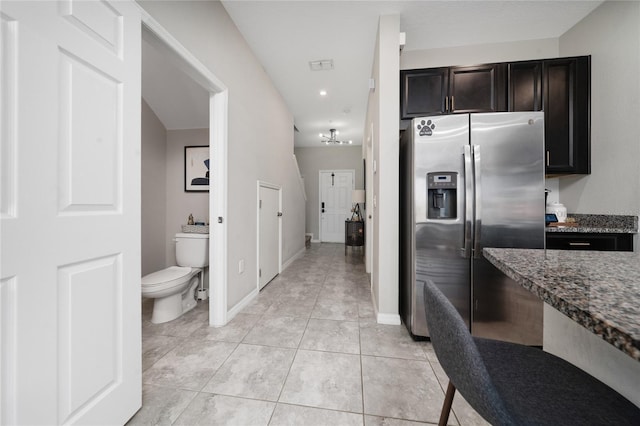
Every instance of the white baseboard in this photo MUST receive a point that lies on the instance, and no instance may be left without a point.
(241, 305)
(292, 259)
(387, 319)
(316, 241)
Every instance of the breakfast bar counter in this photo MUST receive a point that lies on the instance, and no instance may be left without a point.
(591, 297)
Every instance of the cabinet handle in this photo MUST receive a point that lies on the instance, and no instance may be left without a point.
(453, 104)
(547, 158)
(585, 244)
(446, 103)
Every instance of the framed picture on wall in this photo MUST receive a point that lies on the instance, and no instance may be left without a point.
(196, 168)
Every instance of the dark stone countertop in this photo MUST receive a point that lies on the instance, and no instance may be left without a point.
(599, 224)
(599, 290)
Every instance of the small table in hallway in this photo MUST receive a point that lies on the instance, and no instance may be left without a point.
(353, 234)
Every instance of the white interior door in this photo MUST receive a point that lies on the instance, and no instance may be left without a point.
(269, 234)
(70, 256)
(335, 203)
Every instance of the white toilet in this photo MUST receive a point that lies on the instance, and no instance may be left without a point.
(174, 288)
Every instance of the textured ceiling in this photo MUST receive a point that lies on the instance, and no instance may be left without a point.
(286, 35)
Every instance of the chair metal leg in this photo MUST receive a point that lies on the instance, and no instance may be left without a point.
(446, 406)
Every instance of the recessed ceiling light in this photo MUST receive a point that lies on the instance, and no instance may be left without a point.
(323, 93)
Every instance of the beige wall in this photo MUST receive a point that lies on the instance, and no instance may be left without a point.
(260, 133)
(480, 54)
(181, 204)
(165, 205)
(611, 35)
(154, 191)
(381, 127)
(311, 161)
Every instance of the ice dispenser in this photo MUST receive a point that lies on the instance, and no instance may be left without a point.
(441, 196)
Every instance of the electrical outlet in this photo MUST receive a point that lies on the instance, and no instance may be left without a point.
(241, 266)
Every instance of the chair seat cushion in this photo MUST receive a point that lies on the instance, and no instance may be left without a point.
(542, 389)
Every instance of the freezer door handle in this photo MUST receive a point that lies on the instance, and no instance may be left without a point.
(477, 175)
(468, 201)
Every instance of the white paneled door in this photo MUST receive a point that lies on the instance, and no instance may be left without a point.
(269, 233)
(70, 255)
(335, 203)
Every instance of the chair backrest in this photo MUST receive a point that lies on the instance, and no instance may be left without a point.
(459, 357)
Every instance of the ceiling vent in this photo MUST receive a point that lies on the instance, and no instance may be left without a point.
(321, 65)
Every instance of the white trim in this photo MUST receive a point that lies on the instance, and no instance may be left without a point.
(218, 110)
(315, 241)
(300, 177)
(353, 186)
(278, 188)
(386, 319)
(293, 258)
(182, 58)
(241, 305)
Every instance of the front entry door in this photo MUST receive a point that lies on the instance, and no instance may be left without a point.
(269, 224)
(70, 256)
(335, 203)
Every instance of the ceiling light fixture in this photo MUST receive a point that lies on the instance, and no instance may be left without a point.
(323, 93)
(333, 140)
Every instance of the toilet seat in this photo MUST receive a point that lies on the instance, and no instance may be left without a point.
(167, 281)
(169, 276)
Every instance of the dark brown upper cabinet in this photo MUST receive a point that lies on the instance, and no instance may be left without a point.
(566, 103)
(525, 86)
(435, 91)
(423, 92)
(479, 88)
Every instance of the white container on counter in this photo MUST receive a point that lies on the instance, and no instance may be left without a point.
(558, 209)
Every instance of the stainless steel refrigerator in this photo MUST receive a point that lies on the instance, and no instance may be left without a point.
(470, 181)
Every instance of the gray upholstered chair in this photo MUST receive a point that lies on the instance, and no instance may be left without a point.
(510, 384)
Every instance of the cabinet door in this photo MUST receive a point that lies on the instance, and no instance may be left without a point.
(567, 122)
(525, 86)
(479, 88)
(423, 92)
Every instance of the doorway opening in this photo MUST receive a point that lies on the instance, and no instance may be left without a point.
(335, 192)
(176, 54)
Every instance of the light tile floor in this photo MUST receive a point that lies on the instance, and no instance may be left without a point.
(306, 351)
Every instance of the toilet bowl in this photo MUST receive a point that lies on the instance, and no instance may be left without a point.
(174, 288)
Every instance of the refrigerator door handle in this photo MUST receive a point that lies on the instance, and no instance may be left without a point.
(468, 201)
(477, 177)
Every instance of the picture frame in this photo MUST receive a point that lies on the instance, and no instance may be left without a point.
(196, 168)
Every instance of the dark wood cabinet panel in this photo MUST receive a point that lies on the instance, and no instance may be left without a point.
(479, 88)
(589, 241)
(435, 91)
(525, 86)
(566, 97)
(423, 92)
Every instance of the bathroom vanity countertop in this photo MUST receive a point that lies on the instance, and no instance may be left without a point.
(598, 290)
(599, 224)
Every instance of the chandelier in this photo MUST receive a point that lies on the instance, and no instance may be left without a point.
(332, 138)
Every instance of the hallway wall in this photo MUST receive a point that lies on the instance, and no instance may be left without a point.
(311, 161)
(260, 134)
(154, 191)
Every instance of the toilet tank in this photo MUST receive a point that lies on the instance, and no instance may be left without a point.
(192, 249)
